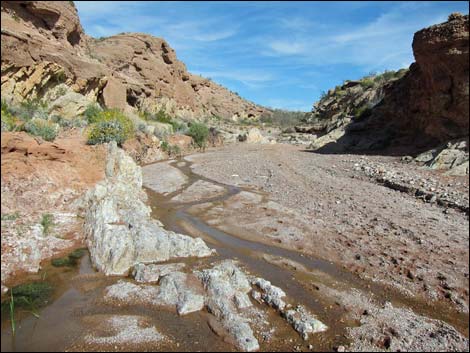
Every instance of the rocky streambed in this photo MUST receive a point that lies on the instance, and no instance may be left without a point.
(183, 275)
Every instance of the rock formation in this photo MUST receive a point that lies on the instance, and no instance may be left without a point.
(43, 45)
(119, 229)
(428, 106)
(223, 289)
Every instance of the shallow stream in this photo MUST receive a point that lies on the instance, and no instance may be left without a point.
(64, 322)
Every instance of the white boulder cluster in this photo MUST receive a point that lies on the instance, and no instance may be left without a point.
(223, 290)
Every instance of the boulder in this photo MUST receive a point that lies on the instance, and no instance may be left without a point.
(147, 273)
(255, 136)
(120, 231)
(226, 287)
(304, 322)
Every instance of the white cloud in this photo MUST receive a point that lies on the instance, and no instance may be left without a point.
(285, 47)
(250, 78)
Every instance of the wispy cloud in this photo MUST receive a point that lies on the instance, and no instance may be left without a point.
(250, 78)
(279, 53)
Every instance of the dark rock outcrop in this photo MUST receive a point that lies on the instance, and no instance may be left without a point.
(428, 106)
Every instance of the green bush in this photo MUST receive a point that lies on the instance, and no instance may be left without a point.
(9, 121)
(172, 150)
(92, 112)
(161, 117)
(362, 112)
(199, 132)
(106, 131)
(110, 125)
(32, 108)
(47, 221)
(48, 130)
(340, 93)
(367, 82)
(179, 127)
(32, 295)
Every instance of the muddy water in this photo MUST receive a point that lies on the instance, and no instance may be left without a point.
(175, 215)
(64, 322)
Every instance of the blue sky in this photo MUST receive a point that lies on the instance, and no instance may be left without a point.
(278, 54)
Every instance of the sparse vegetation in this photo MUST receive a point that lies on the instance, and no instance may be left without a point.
(92, 112)
(199, 132)
(10, 216)
(68, 123)
(46, 129)
(367, 82)
(60, 76)
(163, 117)
(29, 297)
(12, 313)
(172, 150)
(9, 121)
(109, 125)
(70, 260)
(282, 118)
(31, 108)
(362, 112)
(47, 222)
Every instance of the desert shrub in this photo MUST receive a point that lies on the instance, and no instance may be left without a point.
(179, 127)
(10, 216)
(110, 125)
(9, 121)
(362, 112)
(68, 123)
(46, 129)
(172, 150)
(92, 112)
(367, 82)
(31, 108)
(285, 118)
(340, 93)
(266, 118)
(162, 117)
(106, 131)
(60, 77)
(199, 132)
(47, 221)
(400, 73)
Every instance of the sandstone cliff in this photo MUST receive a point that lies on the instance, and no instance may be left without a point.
(43, 44)
(428, 106)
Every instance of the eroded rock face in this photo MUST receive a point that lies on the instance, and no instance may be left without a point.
(451, 156)
(120, 232)
(426, 107)
(125, 71)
